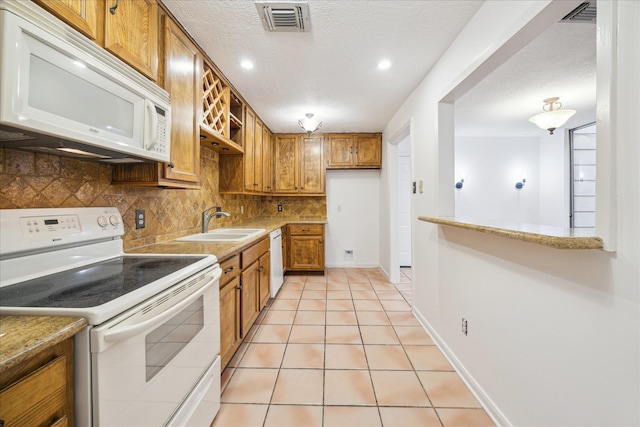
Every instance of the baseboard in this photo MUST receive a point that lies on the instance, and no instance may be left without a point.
(489, 406)
(338, 265)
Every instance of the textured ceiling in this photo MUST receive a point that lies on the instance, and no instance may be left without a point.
(332, 70)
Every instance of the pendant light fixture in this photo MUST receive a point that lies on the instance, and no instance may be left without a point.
(309, 124)
(553, 117)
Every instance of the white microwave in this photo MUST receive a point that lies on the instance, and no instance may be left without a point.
(60, 93)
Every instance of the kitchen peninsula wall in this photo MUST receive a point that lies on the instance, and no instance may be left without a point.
(30, 180)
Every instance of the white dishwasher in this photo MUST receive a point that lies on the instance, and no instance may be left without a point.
(276, 261)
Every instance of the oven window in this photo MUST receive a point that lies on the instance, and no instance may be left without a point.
(167, 340)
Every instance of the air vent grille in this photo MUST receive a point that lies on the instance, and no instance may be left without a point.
(586, 12)
(284, 17)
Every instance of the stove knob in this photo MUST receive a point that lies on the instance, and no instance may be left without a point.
(103, 221)
(114, 220)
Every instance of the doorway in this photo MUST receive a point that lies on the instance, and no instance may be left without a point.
(404, 202)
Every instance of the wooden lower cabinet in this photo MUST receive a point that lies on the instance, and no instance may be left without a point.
(249, 290)
(305, 245)
(39, 391)
(230, 336)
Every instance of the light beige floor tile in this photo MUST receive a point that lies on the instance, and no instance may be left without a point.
(345, 294)
(400, 318)
(398, 388)
(306, 294)
(360, 286)
(378, 335)
(340, 305)
(395, 305)
(345, 356)
(307, 334)
(342, 318)
(299, 387)
(292, 286)
(389, 294)
(279, 317)
(309, 318)
(378, 318)
(351, 416)
(386, 287)
(315, 286)
(387, 357)
(285, 304)
(338, 285)
(294, 279)
(289, 294)
(464, 417)
(348, 387)
(263, 356)
(316, 278)
(240, 415)
(427, 358)
(343, 335)
(235, 360)
(367, 305)
(364, 295)
(294, 416)
(312, 304)
(409, 417)
(309, 356)
(413, 335)
(447, 390)
(272, 334)
(249, 385)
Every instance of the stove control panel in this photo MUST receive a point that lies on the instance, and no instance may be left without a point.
(58, 225)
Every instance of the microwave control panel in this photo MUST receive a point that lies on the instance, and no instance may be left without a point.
(163, 137)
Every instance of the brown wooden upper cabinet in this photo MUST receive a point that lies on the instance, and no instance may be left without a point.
(354, 151)
(126, 28)
(298, 165)
(182, 77)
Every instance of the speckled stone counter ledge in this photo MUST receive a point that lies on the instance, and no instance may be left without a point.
(23, 336)
(556, 237)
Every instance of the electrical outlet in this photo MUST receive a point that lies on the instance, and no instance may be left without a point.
(348, 254)
(141, 219)
(279, 208)
(465, 326)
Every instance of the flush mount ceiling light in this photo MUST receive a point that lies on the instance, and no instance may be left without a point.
(309, 124)
(246, 64)
(553, 117)
(385, 64)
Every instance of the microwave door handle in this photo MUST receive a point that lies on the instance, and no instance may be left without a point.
(116, 334)
(152, 140)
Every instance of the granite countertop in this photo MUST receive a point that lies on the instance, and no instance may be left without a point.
(556, 237)
(223, 250)
(21, 337)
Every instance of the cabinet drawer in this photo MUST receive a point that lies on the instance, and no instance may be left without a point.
(249, 256)
(306, 229)
(230, 269)
(37, 399)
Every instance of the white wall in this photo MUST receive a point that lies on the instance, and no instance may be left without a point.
(353, 202)
(491, 168)
(554, 180)
(554, 334)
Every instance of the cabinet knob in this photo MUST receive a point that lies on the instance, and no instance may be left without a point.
(113, 8)
(171, 165)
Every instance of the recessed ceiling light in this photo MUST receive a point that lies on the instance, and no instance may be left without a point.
(246, 64)
(384, 64)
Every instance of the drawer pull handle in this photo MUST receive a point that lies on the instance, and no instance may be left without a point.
(228, 270)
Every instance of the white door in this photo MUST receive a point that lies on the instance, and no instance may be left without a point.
(404, 201)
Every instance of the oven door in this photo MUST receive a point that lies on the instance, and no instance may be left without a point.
(148, 361)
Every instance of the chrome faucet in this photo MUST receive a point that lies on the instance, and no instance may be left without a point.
(206, 216)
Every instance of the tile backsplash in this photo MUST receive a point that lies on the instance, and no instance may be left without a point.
(30, 180)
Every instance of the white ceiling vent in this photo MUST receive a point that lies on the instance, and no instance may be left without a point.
(586, 12)
(284, 17)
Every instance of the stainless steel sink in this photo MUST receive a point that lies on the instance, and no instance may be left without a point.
(223, 235)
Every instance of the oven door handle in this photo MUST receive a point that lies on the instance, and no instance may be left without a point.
(116, 334)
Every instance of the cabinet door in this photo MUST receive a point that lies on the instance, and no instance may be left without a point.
(265, 278)
(249, 147)
(267, 178)
(183, 81)
(229, 319)
(339, 151)
(257, 157)
(306, 253)
(285, 172)
(249, 296)
(312, 171)
(131, 33)
(368, 151)
(83, 15)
